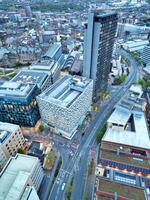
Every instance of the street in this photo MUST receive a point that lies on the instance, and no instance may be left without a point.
(71, 167)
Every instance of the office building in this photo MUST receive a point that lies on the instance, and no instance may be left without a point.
(125, 147)
(11, 139)
(40, 78)
(98, 47)
(21, 178)
(64, 105)
(48, 66)
(146, 54)
(18, 103)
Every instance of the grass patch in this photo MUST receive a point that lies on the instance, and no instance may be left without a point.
(49, 160)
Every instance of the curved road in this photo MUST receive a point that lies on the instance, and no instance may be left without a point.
(69, 166)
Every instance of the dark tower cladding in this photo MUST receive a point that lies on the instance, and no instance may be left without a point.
(98, 47)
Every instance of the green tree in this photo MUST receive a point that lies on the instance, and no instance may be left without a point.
(100, 134)
(41, 128)
(21, 151)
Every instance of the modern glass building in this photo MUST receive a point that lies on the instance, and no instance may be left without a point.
(98, 47)
(18, 103)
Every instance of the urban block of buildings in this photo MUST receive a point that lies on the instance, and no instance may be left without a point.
(64, 105)
(11, 139)
(21, 178)
(18, 103)
(124, 152)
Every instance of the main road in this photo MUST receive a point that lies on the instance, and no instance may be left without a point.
(71, 165)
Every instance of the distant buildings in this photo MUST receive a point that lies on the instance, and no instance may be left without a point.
(21, 178)
(11, 139)
(64, 105)
(18, 103)
(28, 11)
(125, 147)
(98, 46)
(135, 45)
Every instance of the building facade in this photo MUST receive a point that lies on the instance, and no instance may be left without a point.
(18, 103)
(98, 47)
(146, 54)
(11, 139)
(64, 105)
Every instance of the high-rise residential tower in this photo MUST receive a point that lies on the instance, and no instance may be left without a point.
(98, 47)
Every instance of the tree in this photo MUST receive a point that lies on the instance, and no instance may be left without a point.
(21, 151)
(41, 128)
(120, 79)
(100, 134)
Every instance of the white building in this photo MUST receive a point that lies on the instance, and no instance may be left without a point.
(11, 139)
(64, 105)
(146, 54)
(20, 179)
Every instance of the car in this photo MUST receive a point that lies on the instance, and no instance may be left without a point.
(63, 186)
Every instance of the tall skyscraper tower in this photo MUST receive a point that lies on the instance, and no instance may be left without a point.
(98, 47)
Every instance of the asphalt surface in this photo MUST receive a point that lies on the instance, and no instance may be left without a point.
(76, 165)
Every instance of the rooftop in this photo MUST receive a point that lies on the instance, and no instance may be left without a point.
(6, 129)
(136, 89)
(31, 77)
(52, 50)
(120, 116)
(123, 157)
(10, 88)
(66, 90)
(128, 137)
(14, 176)
(121, 189)
(46, 65)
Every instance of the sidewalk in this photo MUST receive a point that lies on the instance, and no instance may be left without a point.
(48, 181)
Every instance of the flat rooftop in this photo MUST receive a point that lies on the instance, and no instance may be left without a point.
(52, 50)
(123, 157)
(136, 89)
(133, 100)
(120, 116)
(66, 90)
(6, 129)
(138, 138)
(10, 88)
(15, 175)
(31, 77)
(122, 190)
(46, 65)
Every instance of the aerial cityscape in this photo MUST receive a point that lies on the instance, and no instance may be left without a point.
(74, 99)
